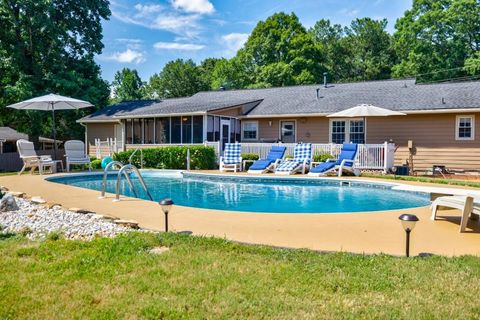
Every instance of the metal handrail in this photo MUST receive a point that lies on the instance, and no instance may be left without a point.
(124, 170)
(105, 172)
(141, 157)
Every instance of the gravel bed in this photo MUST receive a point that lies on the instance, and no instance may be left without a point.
(36, 221)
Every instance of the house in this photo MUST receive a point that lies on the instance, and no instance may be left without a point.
(9, 137)
(440, 123)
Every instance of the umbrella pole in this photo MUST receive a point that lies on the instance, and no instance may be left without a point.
(54, 134)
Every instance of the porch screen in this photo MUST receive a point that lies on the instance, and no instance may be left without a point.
(162, 130)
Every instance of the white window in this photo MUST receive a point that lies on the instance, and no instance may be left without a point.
(249, 130)
(465, 128)
(343, 130)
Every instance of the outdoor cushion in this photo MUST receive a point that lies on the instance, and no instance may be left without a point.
(323, 167)
(349, 152)
(288, 165)
(302, 151)
(232, 153)
(261, 164)
(276, 152)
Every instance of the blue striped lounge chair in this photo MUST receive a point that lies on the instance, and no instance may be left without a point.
(232, 157)
(345, 162)
(270, 163)
(302, 156)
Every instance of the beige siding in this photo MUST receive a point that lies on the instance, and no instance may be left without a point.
(234, 112)
(313, 130)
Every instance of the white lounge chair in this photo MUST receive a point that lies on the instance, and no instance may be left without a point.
(31, 160)
(75, 154)
(232, 157)
(302, 156)
(467, 204)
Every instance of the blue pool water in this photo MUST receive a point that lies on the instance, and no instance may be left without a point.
(260, 194)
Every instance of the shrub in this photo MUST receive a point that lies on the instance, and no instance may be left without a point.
(322, 157)
(249, 156)
(54, 235)
(96, 164)
(174, 157)
(289, 156)
(25, 231)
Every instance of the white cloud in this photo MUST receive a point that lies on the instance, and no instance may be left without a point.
(349, 12)
(234, 41)
(194, 6)
(160, 18)
(178, 46)
(127, 56)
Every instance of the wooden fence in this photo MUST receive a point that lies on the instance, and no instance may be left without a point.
(11, 161)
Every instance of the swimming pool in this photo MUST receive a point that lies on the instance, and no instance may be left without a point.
(258, 194)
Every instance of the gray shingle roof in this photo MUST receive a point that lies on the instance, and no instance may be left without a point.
(399, 95)
(9, 134)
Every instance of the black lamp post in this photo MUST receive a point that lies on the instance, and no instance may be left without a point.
(166, 205)
(408, 223)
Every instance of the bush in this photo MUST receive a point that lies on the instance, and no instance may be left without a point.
(96, 164)
(322, 157)
(54, 236)
(174, 157)
(249, 156)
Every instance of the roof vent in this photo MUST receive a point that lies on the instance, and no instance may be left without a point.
(318, 93)
(222, 88)
(443, 100)
(325, 74)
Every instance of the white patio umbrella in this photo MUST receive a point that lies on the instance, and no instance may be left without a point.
(51, 102)
(365, 110)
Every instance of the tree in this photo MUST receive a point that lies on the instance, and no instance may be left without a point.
(48, 46)
(281, 47)
(229, 74)
(472, 64)
(437, 35)
(371, 56)
(178, 78)
(127, 85)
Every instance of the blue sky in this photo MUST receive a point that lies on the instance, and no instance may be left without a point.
(145, 35)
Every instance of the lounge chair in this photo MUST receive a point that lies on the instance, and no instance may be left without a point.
(31, 160)
(467, 204)
(232, 158)
(270, 163)
(302, 156)
(75, 154)
(346, 161)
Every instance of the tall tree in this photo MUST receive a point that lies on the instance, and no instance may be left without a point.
(178, 78)
(437, 35)
(369, 44)
(48, 46)
(127, 85)
(281, 52)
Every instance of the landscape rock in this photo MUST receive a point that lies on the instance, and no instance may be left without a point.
(8, 203)
(3, 188)
(17, 194)
(127, 223)
(38, 200)
(52, 205)
(80, 210)
(159, 250)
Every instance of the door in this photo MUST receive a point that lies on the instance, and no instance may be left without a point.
(287, 133)
(224, 132)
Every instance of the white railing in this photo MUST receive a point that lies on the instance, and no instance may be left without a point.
(369, 156)
(107, 147)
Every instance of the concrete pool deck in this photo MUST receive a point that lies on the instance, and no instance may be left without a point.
(377, 232)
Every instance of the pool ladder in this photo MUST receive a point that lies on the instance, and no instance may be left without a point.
(125, 170)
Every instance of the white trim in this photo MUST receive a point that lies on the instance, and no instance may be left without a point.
(457, 127)
(280, 129)
(347, 128)
(242, 125)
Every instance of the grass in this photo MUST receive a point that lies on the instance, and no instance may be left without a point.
(202, 278)
(454, 182)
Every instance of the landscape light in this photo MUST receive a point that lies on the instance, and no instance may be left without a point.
(408, 223)
(166, 205)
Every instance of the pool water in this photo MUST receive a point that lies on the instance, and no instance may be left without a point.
(260, 194)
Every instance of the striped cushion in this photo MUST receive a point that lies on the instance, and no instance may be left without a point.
(232, 153)
(302, 151)
(288, 165)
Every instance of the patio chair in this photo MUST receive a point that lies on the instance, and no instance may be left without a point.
(75, 154)
(232, 158)
(469, 206)
(270, 163)
(302, 156)
(345, 162)
(31, 160)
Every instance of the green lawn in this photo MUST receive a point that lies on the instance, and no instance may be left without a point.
(454, 182)
(212, 278)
